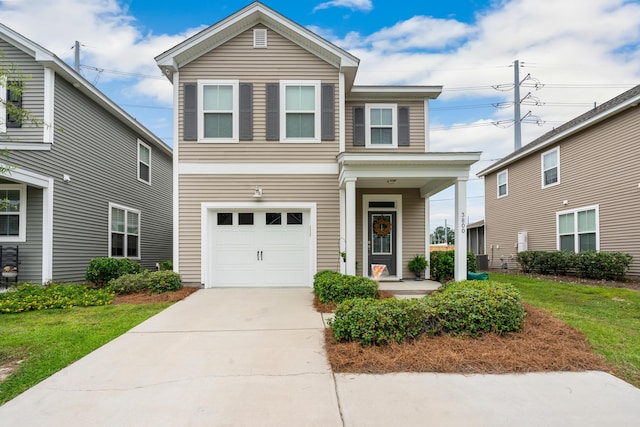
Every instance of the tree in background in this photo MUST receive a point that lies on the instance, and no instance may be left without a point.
(438, 235)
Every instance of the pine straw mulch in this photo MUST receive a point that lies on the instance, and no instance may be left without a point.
(145, 298)
(545, 344)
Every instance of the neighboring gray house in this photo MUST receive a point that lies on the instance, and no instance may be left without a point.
(575, 188)
(90, 182)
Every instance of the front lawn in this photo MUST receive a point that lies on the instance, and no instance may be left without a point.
(46, 341)
(609, 317)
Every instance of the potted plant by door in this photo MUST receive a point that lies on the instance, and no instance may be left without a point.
(417, 265)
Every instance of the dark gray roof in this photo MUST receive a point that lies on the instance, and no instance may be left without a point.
(602, 108)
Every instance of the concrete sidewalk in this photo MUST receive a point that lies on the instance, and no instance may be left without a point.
(254, 357)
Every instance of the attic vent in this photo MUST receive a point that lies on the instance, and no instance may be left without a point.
(260, 38)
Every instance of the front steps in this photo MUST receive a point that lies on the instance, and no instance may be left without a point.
(409, 288)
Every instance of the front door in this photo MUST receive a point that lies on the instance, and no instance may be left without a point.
(382, 240)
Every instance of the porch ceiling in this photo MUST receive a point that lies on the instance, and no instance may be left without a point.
(430, 172)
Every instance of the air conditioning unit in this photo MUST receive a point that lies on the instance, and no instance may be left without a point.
(523, 241)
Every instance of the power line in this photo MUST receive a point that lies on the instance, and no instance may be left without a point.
(122, 73)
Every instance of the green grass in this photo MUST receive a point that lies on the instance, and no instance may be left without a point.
(609, 317)
(50, 340)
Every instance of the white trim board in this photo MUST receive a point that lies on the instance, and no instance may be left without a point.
(257, 168)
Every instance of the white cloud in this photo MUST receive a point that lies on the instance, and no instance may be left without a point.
(363, 5)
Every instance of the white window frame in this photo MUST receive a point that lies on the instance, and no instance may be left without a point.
(283, 110)
(576, 234)
(557, 150)
(140, 161)
(22, 215)
(126, 233)
(235, 111)
(506, 183)
(394, 125)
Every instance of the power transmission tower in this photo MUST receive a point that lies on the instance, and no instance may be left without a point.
(517, 101)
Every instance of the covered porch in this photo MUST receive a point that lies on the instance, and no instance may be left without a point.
(384, 208)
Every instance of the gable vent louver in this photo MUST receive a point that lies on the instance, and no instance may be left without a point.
(260, 38)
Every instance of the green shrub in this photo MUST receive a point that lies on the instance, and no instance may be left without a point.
(603, 265)
(165, 265)
(101, 270)
(331, 286)
(527, 261)
(154, 282)
(379, 322)
(473, 307)
(27, 297)
(443, 264)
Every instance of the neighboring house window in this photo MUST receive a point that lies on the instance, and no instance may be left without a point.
(144, 162)
(13, 101)
(551, 167)
(503, 178)
(578, 230)
(13, 213)
(124, 235)
(381, 125)
(300, 111)
(218, 110)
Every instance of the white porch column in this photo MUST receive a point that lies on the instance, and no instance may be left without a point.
(350, 204)
(427, 238)
(343, 228)
(460, 272)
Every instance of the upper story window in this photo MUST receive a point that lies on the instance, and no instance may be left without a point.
(300, 111)
(218, 115)
(13, 213)
(124, 236)
(10, 105)
(578, 229)
(144, 162)
(381, 125)
(551, 167)
(503, 181)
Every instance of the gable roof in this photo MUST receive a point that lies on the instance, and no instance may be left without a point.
(48, 59)
(256, 13)
(620, 103)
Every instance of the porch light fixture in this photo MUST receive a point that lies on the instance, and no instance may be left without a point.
(392, 181)
(257, 193)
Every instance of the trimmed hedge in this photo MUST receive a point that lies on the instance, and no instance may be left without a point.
(589, 264)
(442, 264)
(101, 270)
(28, 297)
(380, 322)
(473, 307)
(460, 308)
(331, 286)
(154, 282)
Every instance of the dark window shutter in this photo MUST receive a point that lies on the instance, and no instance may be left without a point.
(273, 111)
(14, 121)
(328, 116)
(246, 111)
(403, 126)
(358, 127)
(190, 113)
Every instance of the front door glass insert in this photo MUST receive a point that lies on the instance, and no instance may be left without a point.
(382, 234)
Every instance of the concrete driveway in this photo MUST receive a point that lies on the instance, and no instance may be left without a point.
(254, 357)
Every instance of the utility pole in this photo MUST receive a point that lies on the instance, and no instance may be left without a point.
(77, 57)
(517, 121)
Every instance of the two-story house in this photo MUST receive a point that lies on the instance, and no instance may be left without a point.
(86, 180)
(283, 167)
(575, 188)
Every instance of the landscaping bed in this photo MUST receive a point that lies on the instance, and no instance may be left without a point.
(147, 298)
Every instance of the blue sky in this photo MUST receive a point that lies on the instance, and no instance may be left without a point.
(576, 53)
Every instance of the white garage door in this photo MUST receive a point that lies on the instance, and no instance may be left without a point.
(259, 248)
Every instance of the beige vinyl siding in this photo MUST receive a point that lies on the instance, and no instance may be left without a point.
(598, 166)
(416, 129)
(413, 233)
(32, 95)
(237, 59)
(197, 189)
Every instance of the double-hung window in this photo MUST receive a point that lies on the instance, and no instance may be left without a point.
(578, 230)
(124, 235)
(300, 111)
(218, 113)
(13, 213)
(144, 162)
(381, 125)
(551, 167)
(503, 181)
